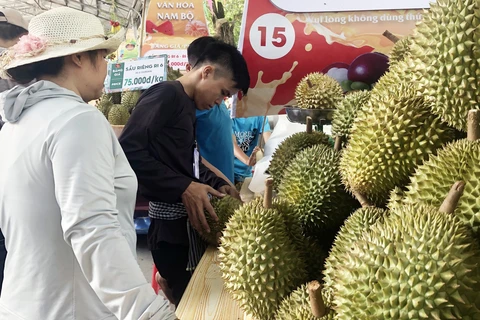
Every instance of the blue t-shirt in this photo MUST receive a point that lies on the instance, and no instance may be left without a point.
(247, 131)
(214, 138)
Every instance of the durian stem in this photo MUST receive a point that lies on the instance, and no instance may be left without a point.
(268, 197)
(390, 36)
(316, 299)
(451, 201)
(338, 143)
(362, 199)
(310, 85)
(473, 130)
(309, 124)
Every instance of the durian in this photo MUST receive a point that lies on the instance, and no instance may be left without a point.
(346, 112)
(392, 134)
(313, 187)
(224, 208)
(308, 248)
(447, 43)
(104, 104)
(418, 264)
(460, 160)
(118, 115)
(259, 261)
(130, 98)
(289, 148)
(359, 222)
(400, 50)
(318, 91)
(297, 307)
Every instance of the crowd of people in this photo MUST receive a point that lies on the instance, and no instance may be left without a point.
(68, 186)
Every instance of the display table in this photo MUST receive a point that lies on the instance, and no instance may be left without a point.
(205, 297)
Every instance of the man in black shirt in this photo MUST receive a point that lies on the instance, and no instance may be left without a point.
(159, 142)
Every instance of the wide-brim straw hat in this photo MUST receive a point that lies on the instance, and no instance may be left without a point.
(59, 32)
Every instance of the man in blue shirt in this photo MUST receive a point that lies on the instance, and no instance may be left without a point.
(214, 126)
(247, 131)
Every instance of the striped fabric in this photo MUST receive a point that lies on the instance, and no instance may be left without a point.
(174, 211)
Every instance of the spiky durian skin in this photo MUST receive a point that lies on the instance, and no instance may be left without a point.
(104, 104)
(395, 199)
(118, 115)
(130, 98)
(400, 50)
(359, 222)
(447, 42)
(459, 160)
(392, 134)
(346, 112)
(224, 208)
(313, 187)
(418, 264)
(259, 261)
(289, 149)
(297, 307)
(308, 248)
(325, 92)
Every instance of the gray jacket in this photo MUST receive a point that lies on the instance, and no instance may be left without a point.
(4, 86)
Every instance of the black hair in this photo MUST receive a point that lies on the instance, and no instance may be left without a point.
(9, 31)
(197, 47)
(51, 67)
(229, 59)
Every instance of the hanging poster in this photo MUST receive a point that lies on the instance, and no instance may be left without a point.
(281, 47)
(170, 27)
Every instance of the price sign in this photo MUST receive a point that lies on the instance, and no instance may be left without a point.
(272, 36)
(136, 75)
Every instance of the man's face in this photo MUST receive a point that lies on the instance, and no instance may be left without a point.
(212, 89)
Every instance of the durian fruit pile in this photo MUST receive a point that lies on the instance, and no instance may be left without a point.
(391, 135)
(259, 258)
(117, 107)
(420, 263)
(413, 250)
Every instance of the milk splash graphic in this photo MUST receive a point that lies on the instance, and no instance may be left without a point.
(261, 95)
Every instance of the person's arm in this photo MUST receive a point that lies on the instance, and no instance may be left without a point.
(83, 162)
(265, 129)
(266, 136)
(240, 155)
(217, 172)
(157, 181)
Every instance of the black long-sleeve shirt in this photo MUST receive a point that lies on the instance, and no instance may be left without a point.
(159, 141)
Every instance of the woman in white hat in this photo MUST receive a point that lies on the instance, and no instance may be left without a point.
(67, 192)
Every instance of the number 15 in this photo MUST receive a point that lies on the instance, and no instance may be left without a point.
(278, 38)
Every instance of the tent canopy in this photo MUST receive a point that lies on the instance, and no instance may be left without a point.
(128, 12)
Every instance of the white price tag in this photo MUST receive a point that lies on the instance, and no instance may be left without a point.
(196, 163)
(272, 36)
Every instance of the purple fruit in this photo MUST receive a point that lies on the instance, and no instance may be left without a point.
(368, 67)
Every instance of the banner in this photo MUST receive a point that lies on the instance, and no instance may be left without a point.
(171, 26)
(135, 75)
(281, 47)
(349, 5)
